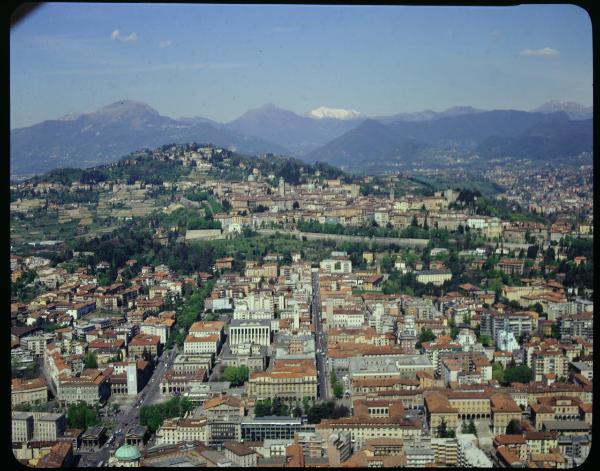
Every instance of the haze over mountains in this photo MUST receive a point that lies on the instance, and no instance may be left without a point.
(337, 136)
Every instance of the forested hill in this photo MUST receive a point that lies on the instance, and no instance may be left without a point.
(166, 164)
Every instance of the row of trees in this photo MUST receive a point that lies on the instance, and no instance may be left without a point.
(189, 312)
(81, 415)
(512, 374)
(153, 416)
(336, 385)
(237, 376)
(314, 412)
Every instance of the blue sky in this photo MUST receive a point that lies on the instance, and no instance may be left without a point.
(218, 61)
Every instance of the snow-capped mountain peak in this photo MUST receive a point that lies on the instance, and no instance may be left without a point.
(335, 113)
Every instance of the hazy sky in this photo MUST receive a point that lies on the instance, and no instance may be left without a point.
(218, 61)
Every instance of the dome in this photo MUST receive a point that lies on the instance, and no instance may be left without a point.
(127, 453)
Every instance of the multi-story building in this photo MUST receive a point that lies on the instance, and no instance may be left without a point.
(494, 322)
(22, 427)
(373, 420)
(157, 326)
(504, 409)
(224, 414)
(436, 277)
(90, 386)
(339, 447)
(173, 382)
(240, 454)
(255, 331)
(576, 325)
(29, 391)
(511, 266)
(340, 264)
(201, 345)
(37, 426)
(272, 428)
(177, 430)
(470, 455)
(549, 360)
(144, 342)
(288, 379)
(48, 426)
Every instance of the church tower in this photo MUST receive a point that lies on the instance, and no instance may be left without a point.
(281, 187)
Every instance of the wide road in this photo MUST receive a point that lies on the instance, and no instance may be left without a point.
(416, 243)
(322, 390)
(130, 415)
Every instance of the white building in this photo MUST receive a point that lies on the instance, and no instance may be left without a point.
(506, 341)
(336, 265)
(257, 331)
(469, 455)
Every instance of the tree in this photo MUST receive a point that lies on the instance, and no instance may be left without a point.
(518, 374)
(443, 429)
(485, 340)
(82, 416)
(550, 255)
(153, 416)
(237, 376)
(471, 428)
(296, 205)
(498, 372)
(90, 360)
(427, 335)
(514, 428)
(338, 390)
(537, 307)
(262, 408)
(147, 356)
(532, 251)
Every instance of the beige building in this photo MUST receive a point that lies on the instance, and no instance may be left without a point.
(201, 345)
(30, 391)
(254, 331)
(38, 426)
(336, 265)
(255, 271)
(240, 455)
(439, 410)
(141, 342)
(375, 419)
(157, 326)
(504, 409)
(436, 277)
(179, 430)
(90, 386)
(288, 379)
(22, 427)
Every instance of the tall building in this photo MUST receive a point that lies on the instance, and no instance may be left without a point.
(132, 387)
(281, 187)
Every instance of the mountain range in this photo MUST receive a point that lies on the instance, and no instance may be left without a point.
(337, 136)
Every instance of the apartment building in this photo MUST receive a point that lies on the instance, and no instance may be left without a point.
(177, 430)
(28, 391)
(91, 386)
(288, 379)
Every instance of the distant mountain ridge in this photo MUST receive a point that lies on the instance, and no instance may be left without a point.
(555, 129)
(501, 133)
(85, 140)
(574, 110)
(299, 134)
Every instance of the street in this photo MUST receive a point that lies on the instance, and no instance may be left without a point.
(322, 380)
(129, 416)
